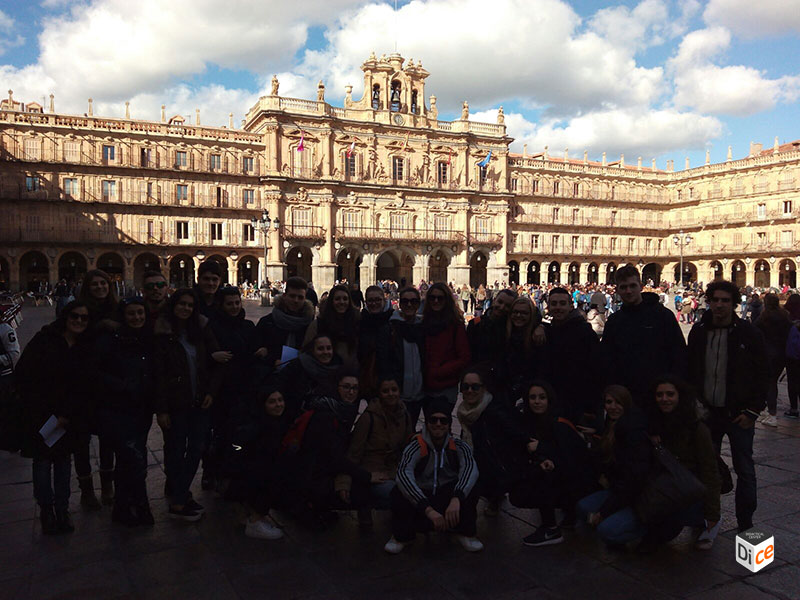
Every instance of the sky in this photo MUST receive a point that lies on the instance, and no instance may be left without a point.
(664, 79)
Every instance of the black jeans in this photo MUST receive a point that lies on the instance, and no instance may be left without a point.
(407, 520)
(184, 444)
(83, 465)
(775, 370)
(51, 481)
(127, 435)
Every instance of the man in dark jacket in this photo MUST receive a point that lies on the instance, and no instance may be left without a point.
(209, 278)
(643, 340)
(487, 333)
(728, 367)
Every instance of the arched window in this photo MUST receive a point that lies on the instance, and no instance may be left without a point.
(414, 107)
(376, 97)
(395, 98)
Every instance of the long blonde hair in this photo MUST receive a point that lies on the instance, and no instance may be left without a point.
(527, 333)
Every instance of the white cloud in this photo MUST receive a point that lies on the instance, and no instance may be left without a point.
(645, 25)
(8, 37)
(751, 19)
(737, 90)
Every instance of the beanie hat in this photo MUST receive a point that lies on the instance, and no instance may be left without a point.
(438, 404)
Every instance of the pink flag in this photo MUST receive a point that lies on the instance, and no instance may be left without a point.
(300, 146)
(351, 148)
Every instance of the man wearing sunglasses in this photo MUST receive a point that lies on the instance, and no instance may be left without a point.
(154, 291)
(435, 485)
(406, 349)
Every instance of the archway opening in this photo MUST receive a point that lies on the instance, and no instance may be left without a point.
(610, 270)
(513, 273)
(406, 270)
(651, 274)
(592, 274)
(298, 262)
(388, 267)
(113, 264)
(247, 270)
(348, 266)
(143, 263)
(534, 273)
(738, 274)
(788, 273)
(762, 274)
(34, 272)
(71, 267)
(477, 269)
(5, 275)
(689, 274)
(554, 273)
(717, 270)
(574, 274)
(439, 262)
(223, 267)
(181, 271)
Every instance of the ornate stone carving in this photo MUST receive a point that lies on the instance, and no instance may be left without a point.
(275, 84)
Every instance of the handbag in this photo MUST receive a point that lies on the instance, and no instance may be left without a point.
(671, 489)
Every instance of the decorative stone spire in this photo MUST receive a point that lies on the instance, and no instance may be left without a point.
(52, 103)
(91, 112)
(730, 154)
(348, 94)
(653, 164)
(776, 146)
(501, 116)
(621, 161)
(708, 156)
(639, 163)
(230, 120)
(163, 113)
(586, 157)
(604, 159)
(544, 155)
(524, 150)
(566, 154)
(274, 86)
(687, 163)
(197, 116)
(11, 98)
(127, 109)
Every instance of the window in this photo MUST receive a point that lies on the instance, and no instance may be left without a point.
(151, 228)
(691, 193)
(109, 190)
(71, 187)
(576, 215)
(216, 162)
(761, 238)
(786, 239)
(556, 186)
(595, 243)
(397, 222)
(350, 165)
(514, 185)
(613, 244)
(182, 192)
(221, 197)
(787, 207)
(144, 157)
(182, 230)
(648, 245)
(482, 171)
(398, 172)
(613, 218)
(350, 219)
(108, 152)
(631, 245)
(441, 173)
(576, 189)
(72, 151)
(180, 158)
(32, 149)
(216, 232)
(556, 242)
(248, 233)
(556, 214)
(575, 243)
(535, 241)
(32, 183)
(535, 186)
(150, 193)
(249, 197)
(737, 239)
(482, 226)
(301, 217)
(441, 223)
(248, 164)
(680, 195)
(762, 211)
(613, 192)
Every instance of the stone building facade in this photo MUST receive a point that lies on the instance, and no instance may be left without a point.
(376, 189)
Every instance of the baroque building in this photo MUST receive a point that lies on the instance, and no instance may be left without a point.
(377, 189)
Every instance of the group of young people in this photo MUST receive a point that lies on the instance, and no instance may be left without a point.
(513, 405)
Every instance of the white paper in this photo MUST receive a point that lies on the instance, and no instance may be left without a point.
(51, 431)
(287, 354)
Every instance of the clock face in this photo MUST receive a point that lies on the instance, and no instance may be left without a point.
(398, 119)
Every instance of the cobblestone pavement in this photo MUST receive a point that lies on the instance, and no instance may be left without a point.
(213, 559)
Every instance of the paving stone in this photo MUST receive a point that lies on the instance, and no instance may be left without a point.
(784, 582)
(738, 590)
(102, 579)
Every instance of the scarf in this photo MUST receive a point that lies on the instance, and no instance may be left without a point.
(467, 415)
(409, 332)
(318, 372)
(291, 323)
(434, 325)
(345, 412)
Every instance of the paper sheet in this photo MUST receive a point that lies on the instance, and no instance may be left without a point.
(51, 431)
(287, 354)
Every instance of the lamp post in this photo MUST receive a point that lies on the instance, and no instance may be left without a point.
(263, 225)
(682, 240)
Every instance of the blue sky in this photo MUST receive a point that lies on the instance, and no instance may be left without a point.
(653, 78)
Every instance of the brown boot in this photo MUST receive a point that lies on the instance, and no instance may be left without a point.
(107, 487)
(88, 499)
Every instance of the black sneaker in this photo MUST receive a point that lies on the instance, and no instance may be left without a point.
(64, 521)
(192, 504)
(184, 514)
(792, 414)
(544, 536)
(145, 517)
(48, 519)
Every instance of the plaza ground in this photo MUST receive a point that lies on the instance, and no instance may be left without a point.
(213, 559)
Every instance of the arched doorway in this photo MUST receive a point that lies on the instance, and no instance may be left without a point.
(651, 273)
(788, 273)
(439, 262)
(592, 273)
(406, 270)
(5, 275)
(388, 267)
(554, 273)
(513, 273)
(247, 270)
(181, 271)
(574, 274)
(477, 269)
(223, 267)
(689, 273)
(717, 271)
(610, 270)
(34, 271)
(762, 274)
(534, 273)
(738, 274)
(147, 261)
(348, 263)
(71, 267)
(298, 262)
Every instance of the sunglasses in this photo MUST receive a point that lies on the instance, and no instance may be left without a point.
(520, 313)
(409, 302)
(438, 420)
(436, 298)
(155, 285)
(471, 387)
(349, 388)
(77, 317)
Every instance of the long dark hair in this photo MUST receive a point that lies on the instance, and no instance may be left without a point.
(60, 324)
(339, 328)
(684, 415)
(194, 332)
(793, 306)
(104, 308)
(450, 311)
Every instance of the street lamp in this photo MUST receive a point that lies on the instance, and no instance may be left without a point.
(682, 240)
(263, 225)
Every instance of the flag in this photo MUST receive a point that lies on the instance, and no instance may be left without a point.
(301, 146)
(351, 148)
(485, 161)
(405, 144)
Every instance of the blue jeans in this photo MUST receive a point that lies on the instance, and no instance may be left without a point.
(741, 441)
(51, 481)
(380, 493)
(184, 443)
(620, 528)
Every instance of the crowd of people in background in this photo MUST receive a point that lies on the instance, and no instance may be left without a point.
(423, 400)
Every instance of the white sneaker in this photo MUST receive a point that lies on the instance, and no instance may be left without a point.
(262, 530)
(763, 415)
(470, 544)
(770, 421)
(705, 540)
(393, 546)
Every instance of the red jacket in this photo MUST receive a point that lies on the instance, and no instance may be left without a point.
(446, 355)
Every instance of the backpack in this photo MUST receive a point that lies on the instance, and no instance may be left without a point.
(423, 445)
(793, 344)
(293, 440)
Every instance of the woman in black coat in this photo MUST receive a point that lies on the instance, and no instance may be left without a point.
(49, 374)
(373, 340)
(124, 412)
(312, 373)
(491, 429)
(558, 465)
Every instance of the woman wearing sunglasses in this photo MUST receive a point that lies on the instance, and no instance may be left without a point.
(446, 345)
(46, 373)
(406, 351)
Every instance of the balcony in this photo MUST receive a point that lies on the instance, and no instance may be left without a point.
(485, 239)
(406, 235)
(303, 232)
